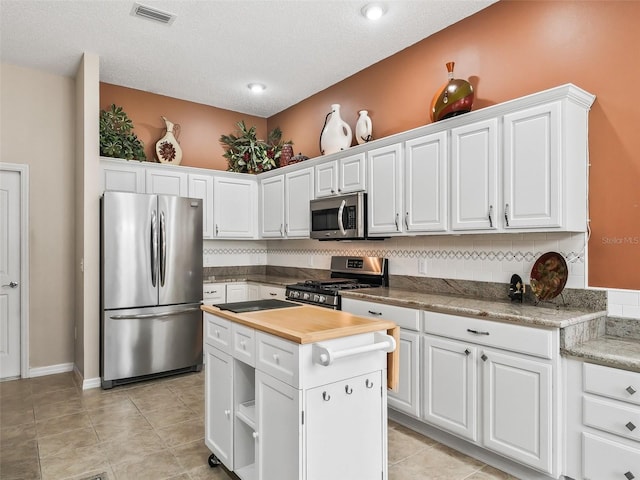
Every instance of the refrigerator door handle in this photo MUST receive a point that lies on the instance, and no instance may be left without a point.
(163, 249)
(154, 249)
(143, 316)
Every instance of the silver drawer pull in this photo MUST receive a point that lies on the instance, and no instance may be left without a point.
(368, 383)
(276, 358)
(629, 476)
(630, 426)
(631, 390)
(375, 313)
(326, 397)
(348, 389)
(484, 357)
(273, 294)
(477, 332)
(467, 352)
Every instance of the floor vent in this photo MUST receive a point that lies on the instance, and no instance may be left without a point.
(154, 14)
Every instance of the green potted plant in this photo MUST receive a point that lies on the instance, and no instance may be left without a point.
(116, 135)
(246, 153)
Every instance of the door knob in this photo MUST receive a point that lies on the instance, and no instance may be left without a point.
(11, 284)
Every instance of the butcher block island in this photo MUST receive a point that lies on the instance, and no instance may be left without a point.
(297, 392)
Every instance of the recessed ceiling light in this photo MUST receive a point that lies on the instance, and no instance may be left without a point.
(257, 87)
(373, 11)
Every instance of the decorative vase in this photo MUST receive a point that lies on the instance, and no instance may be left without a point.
(167, 148)
(453, 98)
(363, 128)
(336, 134)
(285, 154)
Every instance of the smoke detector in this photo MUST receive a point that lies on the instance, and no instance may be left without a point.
(154, 14)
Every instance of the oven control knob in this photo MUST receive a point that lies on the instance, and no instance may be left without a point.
(306, 296)
(294, 294)
(316, 298)
(322, 299)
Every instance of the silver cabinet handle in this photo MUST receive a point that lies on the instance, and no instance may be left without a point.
(631, 390)
(216, 229)
(477, 332)
(630, 426)
(368, 383)
(281, 234)
(286, 228)
(326, 397)
(163, 249)
(506, 214)
(406, 220)
(629, 476)
(333, 191)
(374, 313)
(273, 294)
(154, 248)
(397, 226)
(467, 352)
(348, 390)
(11, 284)
(490, 215)
(484, 357)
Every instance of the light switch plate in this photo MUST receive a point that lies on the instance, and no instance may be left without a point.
(422, 266)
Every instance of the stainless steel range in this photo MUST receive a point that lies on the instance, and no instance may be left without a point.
(347, 273)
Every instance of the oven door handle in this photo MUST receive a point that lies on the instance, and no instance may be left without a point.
(340, 212)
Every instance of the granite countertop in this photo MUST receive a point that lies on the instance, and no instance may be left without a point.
(256, 278)
(490, 309)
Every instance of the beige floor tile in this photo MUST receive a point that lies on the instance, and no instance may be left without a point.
(403, 442)
(64, 395)
(19, 451)
(74, 462)
(15, 387)
(130, 449)
(120, 429)
(16, 416)
(51, 410)
(192, 455)
(181, 433)
(122, 409)
(490, 473)
(150, 398)
(53, 382)
(20, 469)
(208, 473)
(434, 463)
(166, 416)
(65, 423)
(158, 466)
(73, 439)
(17, 433)
(16, 402)
(105, 474)
(99, 399)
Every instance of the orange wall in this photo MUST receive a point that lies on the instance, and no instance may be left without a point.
(201, 125)
(508, 50)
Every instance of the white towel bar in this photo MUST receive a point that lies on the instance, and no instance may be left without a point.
(325, 356)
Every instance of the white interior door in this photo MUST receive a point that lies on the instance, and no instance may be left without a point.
(10, 288)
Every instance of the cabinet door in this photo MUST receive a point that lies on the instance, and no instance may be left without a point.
(351, 173)
(123, 178)
(357, 451)
(517, 413)
(532, 170)
(166, 182)
(407, 398)
(272, 207)
(384, 198)
(299, 192)
(474, 176)
(201, 186)
(234, 207)
(279, 429)
(326, 179)
(237, 292)
(450, 386)
(253, 292)
(219, 404)
(425, 184)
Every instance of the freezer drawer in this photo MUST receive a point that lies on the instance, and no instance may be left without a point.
(147, 341)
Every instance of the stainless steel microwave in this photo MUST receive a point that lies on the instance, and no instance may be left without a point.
(341, 217)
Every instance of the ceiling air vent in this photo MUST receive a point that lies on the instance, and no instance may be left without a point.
(154, 14)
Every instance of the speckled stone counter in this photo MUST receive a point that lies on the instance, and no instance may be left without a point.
(255, 278)
(471, 307)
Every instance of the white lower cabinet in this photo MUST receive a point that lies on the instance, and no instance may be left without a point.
(272, 412)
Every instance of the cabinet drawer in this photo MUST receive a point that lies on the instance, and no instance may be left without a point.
(277, 357)
(244, 343)
(612, 382)
(606, 460)
(516, 338)
(612, 417)
(406, 318)
(213, 293)
(269, 291)
(217, 332)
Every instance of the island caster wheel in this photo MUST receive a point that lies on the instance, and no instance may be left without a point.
(213, 461)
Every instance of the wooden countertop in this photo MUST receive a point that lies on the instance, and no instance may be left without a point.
(309, 324)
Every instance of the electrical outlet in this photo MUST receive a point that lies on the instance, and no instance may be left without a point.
(422, 266)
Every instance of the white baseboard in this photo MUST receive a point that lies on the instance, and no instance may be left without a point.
(51, 370)
(87, 383)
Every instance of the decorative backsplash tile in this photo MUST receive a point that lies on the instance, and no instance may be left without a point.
(624, 303)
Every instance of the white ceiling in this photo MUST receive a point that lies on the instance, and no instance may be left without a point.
(215, 48)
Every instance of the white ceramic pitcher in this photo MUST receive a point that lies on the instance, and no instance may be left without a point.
(336, 134)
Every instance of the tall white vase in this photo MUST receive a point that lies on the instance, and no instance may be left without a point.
(167, 148)
(364, 128)
(336, 134)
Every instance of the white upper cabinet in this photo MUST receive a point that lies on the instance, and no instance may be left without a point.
(384, 195)
(474, 176)
(284, 204)
(123, 177)
(337, 177)
(425, 184)
(167, 182)
(235, 207)
(532, 168)
(201, 186)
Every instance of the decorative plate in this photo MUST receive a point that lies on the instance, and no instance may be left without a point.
(549, 276)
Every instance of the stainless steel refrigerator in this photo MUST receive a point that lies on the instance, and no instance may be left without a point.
(151, 255)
